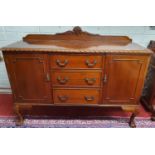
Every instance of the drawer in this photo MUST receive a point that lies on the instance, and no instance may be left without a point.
(75, 61)
(76, 96)
(80, 78)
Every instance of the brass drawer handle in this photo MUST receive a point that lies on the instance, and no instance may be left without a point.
(62, 81)
(47, 77)
(105, 79)
(63, 98)
(90, 81)
(89, 98)
(89, 64)
(61, 64)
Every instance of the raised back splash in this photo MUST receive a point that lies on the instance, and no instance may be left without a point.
(76, 39)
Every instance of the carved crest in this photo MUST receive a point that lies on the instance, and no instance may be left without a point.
(76, 31)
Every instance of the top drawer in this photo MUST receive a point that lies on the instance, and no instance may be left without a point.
(75, 61)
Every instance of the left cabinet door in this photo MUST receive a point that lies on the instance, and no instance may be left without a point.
(29, 77)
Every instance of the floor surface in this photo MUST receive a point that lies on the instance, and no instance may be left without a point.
(6, 109)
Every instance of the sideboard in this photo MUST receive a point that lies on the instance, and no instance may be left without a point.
(76, 68)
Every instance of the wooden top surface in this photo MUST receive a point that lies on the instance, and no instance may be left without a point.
(77, 41)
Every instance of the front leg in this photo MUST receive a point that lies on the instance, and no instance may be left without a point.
(134, 111)
(20, 119)
(132, 120)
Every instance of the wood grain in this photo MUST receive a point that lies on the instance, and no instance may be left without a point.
(71, 78)
(27, 75)
(76, 39)
(76, 96)
(124, 78)
(76, 62)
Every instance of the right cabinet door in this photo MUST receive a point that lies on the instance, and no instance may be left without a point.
(124, 78)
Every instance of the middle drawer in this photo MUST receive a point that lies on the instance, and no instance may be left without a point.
(71, 78)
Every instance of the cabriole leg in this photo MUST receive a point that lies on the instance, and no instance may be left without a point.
(132, 120)
(20, 119)
(134, 111)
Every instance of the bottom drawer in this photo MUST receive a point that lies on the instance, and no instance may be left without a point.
(76, 96)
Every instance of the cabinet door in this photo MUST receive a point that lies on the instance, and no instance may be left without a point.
(124, 78)
(29, 75)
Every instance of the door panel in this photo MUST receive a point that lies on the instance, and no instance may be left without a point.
(124, 75)
(28, 76)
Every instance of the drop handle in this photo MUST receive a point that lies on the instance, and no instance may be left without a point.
(61, 64)
(90, 81)
(105, 78)
(47, 77)
(89, 98)
(89, 64)
(62, 81)
(63, 98)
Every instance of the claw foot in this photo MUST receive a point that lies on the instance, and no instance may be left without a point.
(132, 124)
(19, 122)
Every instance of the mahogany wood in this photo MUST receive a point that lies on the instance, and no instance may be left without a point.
(76, 62)
(76, 96)
(77, 69)
(28, 75)
(81, 78)
(125, 75)
(83, 39)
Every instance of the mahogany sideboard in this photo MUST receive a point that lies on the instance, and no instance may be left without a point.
(76, 68)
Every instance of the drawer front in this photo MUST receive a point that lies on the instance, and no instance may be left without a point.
(76, 78)
(72, 61)
(76, 96)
